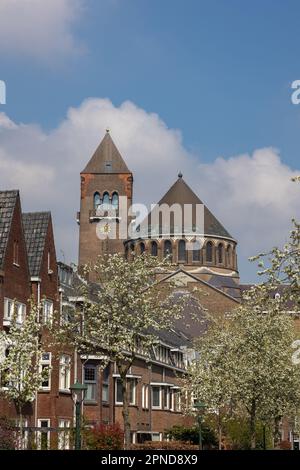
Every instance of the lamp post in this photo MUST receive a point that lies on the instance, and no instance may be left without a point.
(200, 406)
(78, 392)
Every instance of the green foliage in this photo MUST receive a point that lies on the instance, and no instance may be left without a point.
(191, 434)
(237, 434)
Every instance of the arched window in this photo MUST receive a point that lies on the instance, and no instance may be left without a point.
(220, 253)
(132, 247)
(97, 200)
(106, 202)
(181, 251)
(196, 251)
(153, 248)
(229, 256)
(209, 252)
(167, 248)
(126, 252)
(115, 201)
(142, 248)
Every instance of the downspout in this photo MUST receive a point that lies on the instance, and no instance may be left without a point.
(38, 319)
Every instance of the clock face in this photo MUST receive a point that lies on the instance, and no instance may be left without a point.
(106, 228)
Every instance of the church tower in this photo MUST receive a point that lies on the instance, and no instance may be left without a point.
(105, 179)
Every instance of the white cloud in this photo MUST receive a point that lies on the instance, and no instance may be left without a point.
(251, 194)
(41, 29)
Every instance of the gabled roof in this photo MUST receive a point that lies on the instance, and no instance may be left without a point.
(106, 159)
(180, 193)
(35, 228)
(8, 201)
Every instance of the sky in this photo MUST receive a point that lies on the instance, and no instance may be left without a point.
(201, 87)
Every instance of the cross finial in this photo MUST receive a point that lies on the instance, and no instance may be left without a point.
(180, 175)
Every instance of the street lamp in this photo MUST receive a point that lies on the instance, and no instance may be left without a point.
(78, 393)
(200, 406)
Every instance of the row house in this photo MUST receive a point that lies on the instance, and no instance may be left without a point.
(155, 395)
(29, 269)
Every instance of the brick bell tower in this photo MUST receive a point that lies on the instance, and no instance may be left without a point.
(103, 181)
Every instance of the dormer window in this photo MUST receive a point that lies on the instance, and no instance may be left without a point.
(108, 166)
(16, 253)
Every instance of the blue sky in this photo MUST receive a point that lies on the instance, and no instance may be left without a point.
(219, 71)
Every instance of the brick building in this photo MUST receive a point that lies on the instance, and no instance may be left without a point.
(28, 266)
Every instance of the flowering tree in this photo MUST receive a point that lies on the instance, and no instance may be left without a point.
(20, 366)
(245, 363)
(125, 318)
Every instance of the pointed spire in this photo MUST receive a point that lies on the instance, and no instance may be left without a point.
(106, 158)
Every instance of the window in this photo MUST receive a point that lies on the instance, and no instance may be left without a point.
(166, 392)
(105, 384)
(47, 311)
(43, 436)
(142, 248)
(108, 166)
(156, 397)
(145, 397)
(220, 253)
(21, 311)
(209, 250)
(115, 202)
(67, 314)
(90, 379)
(177, 357)
(132, 392)
(176, 401)
(49, 263)
(168, 249)
(16, 253)
(229, 256)
(181, 251)
(196, 251)
(106, 202)
(45, 364)
(8, 309)
(64, 372)
(97, 200)
(153, 248)
(64, 434)
(11, 307)
(162, 354)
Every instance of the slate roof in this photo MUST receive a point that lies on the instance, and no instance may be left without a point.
(106, 159)
(180, 193)
(227, 284)
(35, 228)
(8, 201)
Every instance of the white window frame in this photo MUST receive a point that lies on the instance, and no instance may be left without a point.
(156, 407)
(39, 433)
(64, 373)
(46, 362)
(64, 436)
(131, 381)
(145, 396)
(47, 313)
(167, 391)
(21, 312)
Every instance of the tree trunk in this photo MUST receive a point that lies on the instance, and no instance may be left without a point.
(125, 411)
(276, 432)
(252, 424)
(20, 437)
(220, 430)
